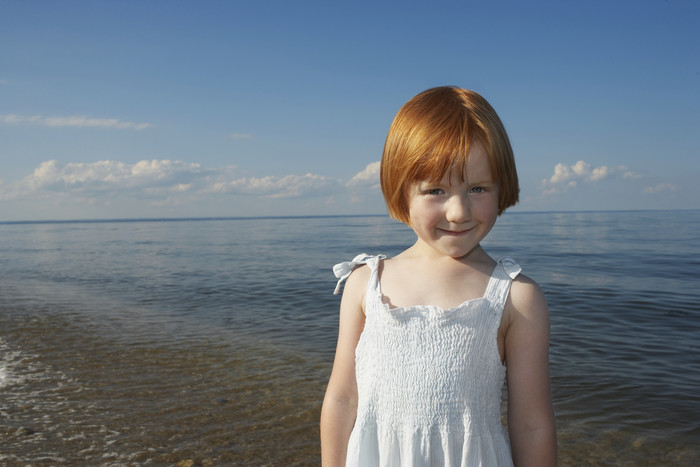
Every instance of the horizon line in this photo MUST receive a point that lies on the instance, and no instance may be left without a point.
(307, 216)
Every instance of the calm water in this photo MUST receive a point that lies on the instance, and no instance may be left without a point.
(209, 342)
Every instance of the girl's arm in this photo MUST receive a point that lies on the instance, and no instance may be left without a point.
(340, 403)
(530, 413)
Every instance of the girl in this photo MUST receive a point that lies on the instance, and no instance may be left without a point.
(427, 338)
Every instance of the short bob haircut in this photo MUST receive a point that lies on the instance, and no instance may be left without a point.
(432, 133)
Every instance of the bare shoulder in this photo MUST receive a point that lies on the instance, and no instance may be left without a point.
(356, 286)
(359, 277)
(524, 288)
(526, 300)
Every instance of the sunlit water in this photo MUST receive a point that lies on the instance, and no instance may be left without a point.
(209, 342)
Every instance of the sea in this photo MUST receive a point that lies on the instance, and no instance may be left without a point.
(201, 342)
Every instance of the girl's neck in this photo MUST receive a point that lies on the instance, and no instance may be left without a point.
(422, 252)
(417, 277)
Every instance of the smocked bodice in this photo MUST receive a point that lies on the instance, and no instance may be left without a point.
(430, 379)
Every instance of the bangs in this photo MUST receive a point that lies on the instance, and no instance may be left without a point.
(445, 151)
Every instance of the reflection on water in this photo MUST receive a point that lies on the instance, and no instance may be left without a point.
(210, 343)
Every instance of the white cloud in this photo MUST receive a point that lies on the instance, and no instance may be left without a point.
(368, 177)
(15, 119)
(564, 174)
(599, 173)
(108, 179)
(364, 187)
(110, 188)
(652, 190)
(275, 187)
(181, 187)
(73, 121)
(107, 175)
(570, 176)
(160, 181)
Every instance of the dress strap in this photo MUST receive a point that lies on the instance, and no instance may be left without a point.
(499, 285)
(343, 270)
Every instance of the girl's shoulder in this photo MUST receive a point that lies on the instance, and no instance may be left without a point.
(356, 276)
(523, 288)
(526, 301)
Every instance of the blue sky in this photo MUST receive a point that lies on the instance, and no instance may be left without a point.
(135, 109)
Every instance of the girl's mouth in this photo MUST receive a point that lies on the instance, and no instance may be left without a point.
(455, 233)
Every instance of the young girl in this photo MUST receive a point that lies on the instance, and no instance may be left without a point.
(427, 338)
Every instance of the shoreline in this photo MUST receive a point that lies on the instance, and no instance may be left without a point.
(208, 402)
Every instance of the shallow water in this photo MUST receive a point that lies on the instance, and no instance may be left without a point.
(209, 342)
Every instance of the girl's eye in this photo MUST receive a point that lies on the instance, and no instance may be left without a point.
(433, 191)
(477, 189)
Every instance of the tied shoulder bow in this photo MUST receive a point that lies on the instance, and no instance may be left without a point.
(343, 270)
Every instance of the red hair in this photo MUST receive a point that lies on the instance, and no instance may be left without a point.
(432, 133)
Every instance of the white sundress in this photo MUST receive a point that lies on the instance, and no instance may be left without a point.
(429, 380)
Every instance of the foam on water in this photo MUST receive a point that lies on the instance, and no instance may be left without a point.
(9, 360)
(220, 400)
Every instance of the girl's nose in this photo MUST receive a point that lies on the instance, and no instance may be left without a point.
(458, 209)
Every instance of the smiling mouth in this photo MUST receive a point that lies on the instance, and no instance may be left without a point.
(455, 232)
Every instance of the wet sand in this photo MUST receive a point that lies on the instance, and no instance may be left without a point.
(76, 398)
(74, 395)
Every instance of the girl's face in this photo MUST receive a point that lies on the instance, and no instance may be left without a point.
(451, 217)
